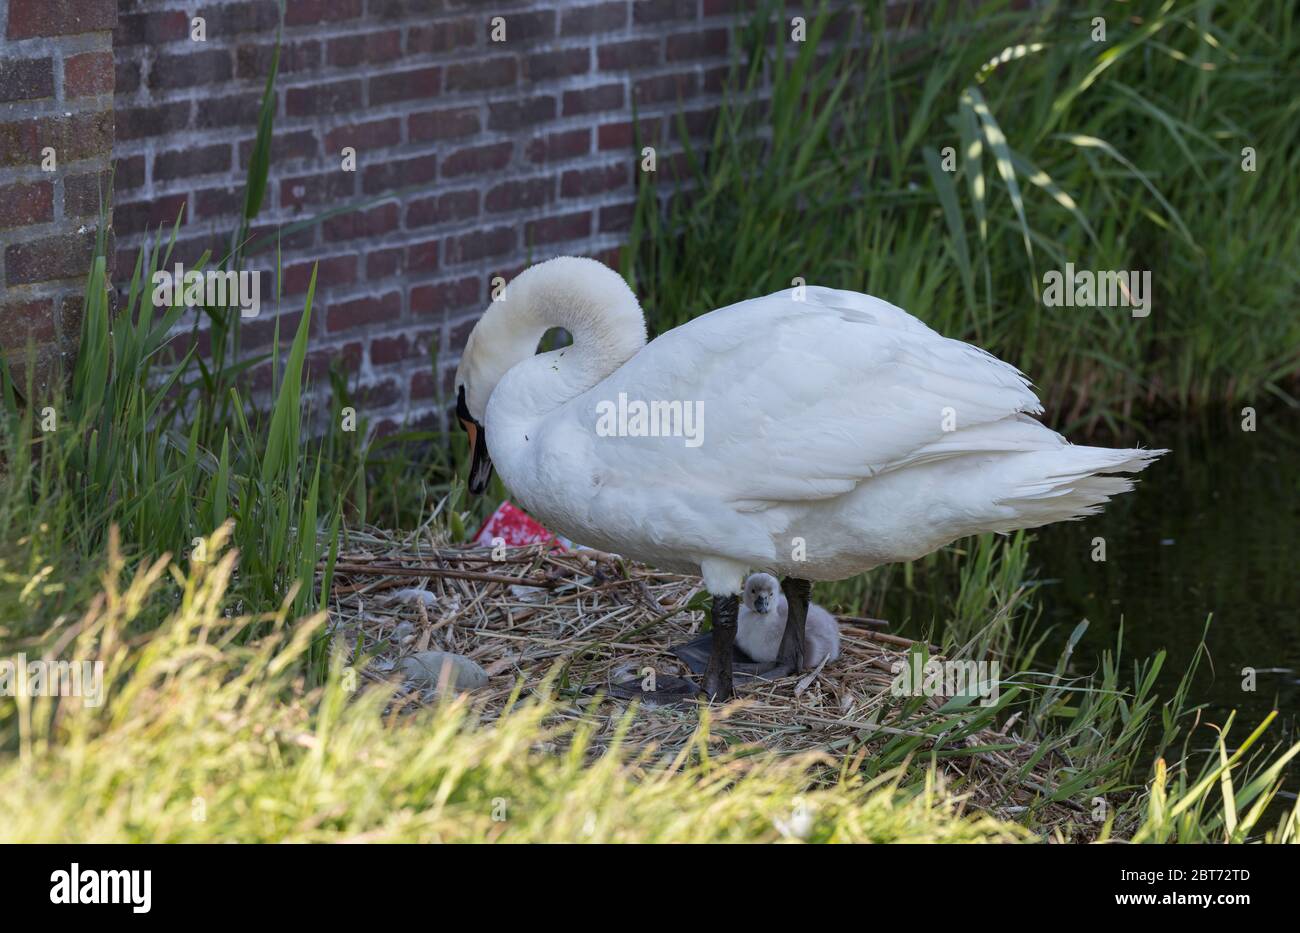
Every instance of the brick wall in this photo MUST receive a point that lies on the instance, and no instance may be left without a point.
(522, 149)
(56, 136)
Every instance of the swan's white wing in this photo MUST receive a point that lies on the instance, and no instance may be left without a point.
(804, 400)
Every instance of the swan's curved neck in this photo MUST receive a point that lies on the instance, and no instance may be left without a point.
(584, 297)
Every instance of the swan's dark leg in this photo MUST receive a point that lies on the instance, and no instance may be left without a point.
(717, 677)
(798, 593)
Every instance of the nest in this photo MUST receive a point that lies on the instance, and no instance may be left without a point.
(574, 623)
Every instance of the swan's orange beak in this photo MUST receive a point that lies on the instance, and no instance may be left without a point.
(480, 470)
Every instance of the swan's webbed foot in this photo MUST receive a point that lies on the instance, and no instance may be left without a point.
(717, 676)
(663, 690)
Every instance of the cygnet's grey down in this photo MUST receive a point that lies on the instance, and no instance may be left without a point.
(761, 623)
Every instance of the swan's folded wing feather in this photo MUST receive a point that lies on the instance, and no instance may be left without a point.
(806, 399)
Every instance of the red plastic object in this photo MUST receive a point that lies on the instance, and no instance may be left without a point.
(517, 528)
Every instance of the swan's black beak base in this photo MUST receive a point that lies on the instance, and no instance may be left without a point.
(480, 470)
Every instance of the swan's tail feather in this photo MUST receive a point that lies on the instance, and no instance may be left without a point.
(1068, 483)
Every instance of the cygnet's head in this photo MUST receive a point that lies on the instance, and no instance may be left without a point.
(762, 590)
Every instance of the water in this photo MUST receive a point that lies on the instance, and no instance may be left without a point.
(1213, 528)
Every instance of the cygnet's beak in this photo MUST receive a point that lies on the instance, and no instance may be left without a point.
(760, 605)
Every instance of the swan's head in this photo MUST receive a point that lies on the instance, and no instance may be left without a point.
(583, 296)
(762, 592)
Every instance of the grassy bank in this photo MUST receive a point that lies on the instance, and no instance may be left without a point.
(207, 735)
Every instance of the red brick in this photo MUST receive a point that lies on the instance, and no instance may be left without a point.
(557, 146)
(440, 297)
(297, 144)
(580, 182)
(357, 225)
(254, 61)
(364, 136)
(154, 120)
(564, 63)
(271, 235)
(361, 312)
(74, 137)
(126, 77)
(24, 204)
(664, 88)
(442, 37)
(405, 85)
(389, 174)
(383, 394)
(307, 12)
(374, 47)
(519, 195)
(83, 195)
(323, 99)
(727, 7)
(153, 28)
(620, 56)
(337, 270)
(593, 99)
(716, 80)
(454, 205)
(617, 218)
(598, 17)
(231, 18)
(190, 68)
(218, 202)
(62, 256)
(423, 385)
(480, 244)
(129, 172)
(87, 74)
(658, 11)
(138, 216)
(182, 163)
(26, 79)
(539, 24)
(26, 321)
(435, 125)
(481, 75)
(626, 134)
(233, 110)
(477, 159)
(422, 257)
(557, 229)
(384, 263)
(399, 347)
(317, 189)
(260, 332)
(707, 43)
(513, 114)
(31, 18)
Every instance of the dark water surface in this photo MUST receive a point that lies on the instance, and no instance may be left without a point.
(1213, 528)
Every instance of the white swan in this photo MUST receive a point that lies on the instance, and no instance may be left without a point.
(760, 624)
(838, 433)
